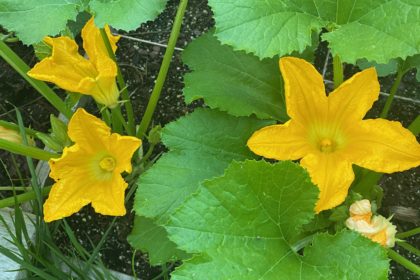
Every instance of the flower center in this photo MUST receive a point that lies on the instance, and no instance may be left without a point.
(326, 145)
(107, 164)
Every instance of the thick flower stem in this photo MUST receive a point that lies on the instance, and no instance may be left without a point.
(391, 96)
(21, 198)
(122, 86)
(409, 233)
(20, 66)
(414, 127)
(151, 106)
(338, 71)
(26, 150)
(403, 261)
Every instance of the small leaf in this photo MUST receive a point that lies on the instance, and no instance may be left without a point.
(147, 236)
(240, 226)
(33, 20)
(381, 69)
(223, 77)
(126, 14)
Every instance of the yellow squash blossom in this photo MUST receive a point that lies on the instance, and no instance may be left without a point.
(71, 71)
(90, 170)
(377, 228)
(329, 135)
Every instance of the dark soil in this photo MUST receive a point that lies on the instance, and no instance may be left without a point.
(140, 64)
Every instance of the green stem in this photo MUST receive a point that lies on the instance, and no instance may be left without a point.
(338, 71)
(151, 106)
(409, 233)
(15, 127)
(391, 96)
(302, 243)
(408, 247)
(11, 188)
(403, 261)
(116, 120)
(20, 66)
(414, 127)
(117, 115)
(10, 201)
(26, 150)
(121, 84)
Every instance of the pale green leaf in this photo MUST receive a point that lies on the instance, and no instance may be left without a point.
(33, 20)
(223, 77)
(147, 236)
(377, 30)
(126, 14)
(240, 226)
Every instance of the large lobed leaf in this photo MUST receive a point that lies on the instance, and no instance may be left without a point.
(32, 20)
(377, 30)
(223, 77)
(201, 146)
(240, 226)
(126, 14)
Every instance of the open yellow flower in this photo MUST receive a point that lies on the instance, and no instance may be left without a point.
(329, 135)
(90, 170)
(71, 71)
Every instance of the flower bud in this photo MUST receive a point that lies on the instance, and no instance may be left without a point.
(361, 210)
(10, 135)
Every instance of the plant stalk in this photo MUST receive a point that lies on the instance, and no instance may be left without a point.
(20, 66)
(122, 86)
(391, 96)
(408, 247)
(338, 71)
(21, 198)
(409, 233)
(26, 150)
(403, 261)
(15, 127)
(151, 106)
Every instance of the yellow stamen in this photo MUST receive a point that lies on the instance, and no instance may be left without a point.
(107, 164)
(326, 145)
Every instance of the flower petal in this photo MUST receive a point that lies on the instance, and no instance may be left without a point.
(282, 142)
(123, 148)
(65, 67)
(105, 90)
(88, 131)
(383, 146)
(93, 42)
(304, 90)
(74, 185)
(109, 197)
(332, 174)
(353, 98)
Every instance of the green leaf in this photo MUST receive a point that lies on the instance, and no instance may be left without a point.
(383, 31)
(33, 20)
(147, 236)
(126, 14)
(376, 30)
(223, 77)
(201, 146)
(240, 226)
(382, 69)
